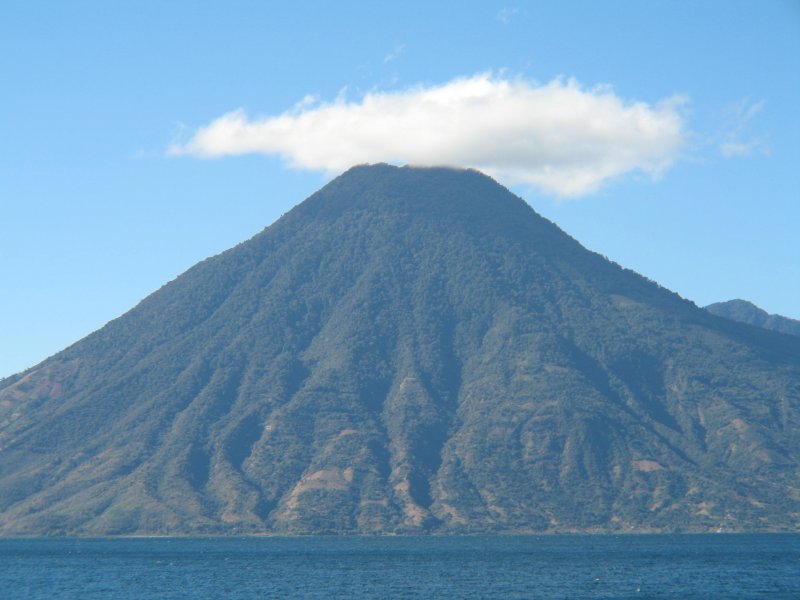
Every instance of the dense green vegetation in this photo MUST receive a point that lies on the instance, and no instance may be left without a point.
(407, 350)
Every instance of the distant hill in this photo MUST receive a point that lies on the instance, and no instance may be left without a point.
(408, 350)
(747, 312)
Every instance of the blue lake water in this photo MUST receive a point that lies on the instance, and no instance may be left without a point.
(570, 566)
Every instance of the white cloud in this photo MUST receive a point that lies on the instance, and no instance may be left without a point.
(396, 53)
(731, 149)
(504, 15)
(736, 139)
(559, 137)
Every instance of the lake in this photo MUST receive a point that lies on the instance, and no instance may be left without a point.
(561, 566)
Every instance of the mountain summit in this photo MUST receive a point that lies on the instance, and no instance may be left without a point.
(407, 350)
(747, 312)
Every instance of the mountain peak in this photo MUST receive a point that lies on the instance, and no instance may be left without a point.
(416, 187)
(459, 199)
(747, 312)
(408, 350)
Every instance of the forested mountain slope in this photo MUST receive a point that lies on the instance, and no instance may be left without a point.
(407, 350)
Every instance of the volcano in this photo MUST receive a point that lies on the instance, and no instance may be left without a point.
(408, 350)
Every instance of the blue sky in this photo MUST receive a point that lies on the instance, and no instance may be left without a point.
(97, 213)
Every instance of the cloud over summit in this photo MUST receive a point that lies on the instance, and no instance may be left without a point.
(560, 137)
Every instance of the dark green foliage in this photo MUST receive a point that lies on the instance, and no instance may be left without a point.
(408, 350)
